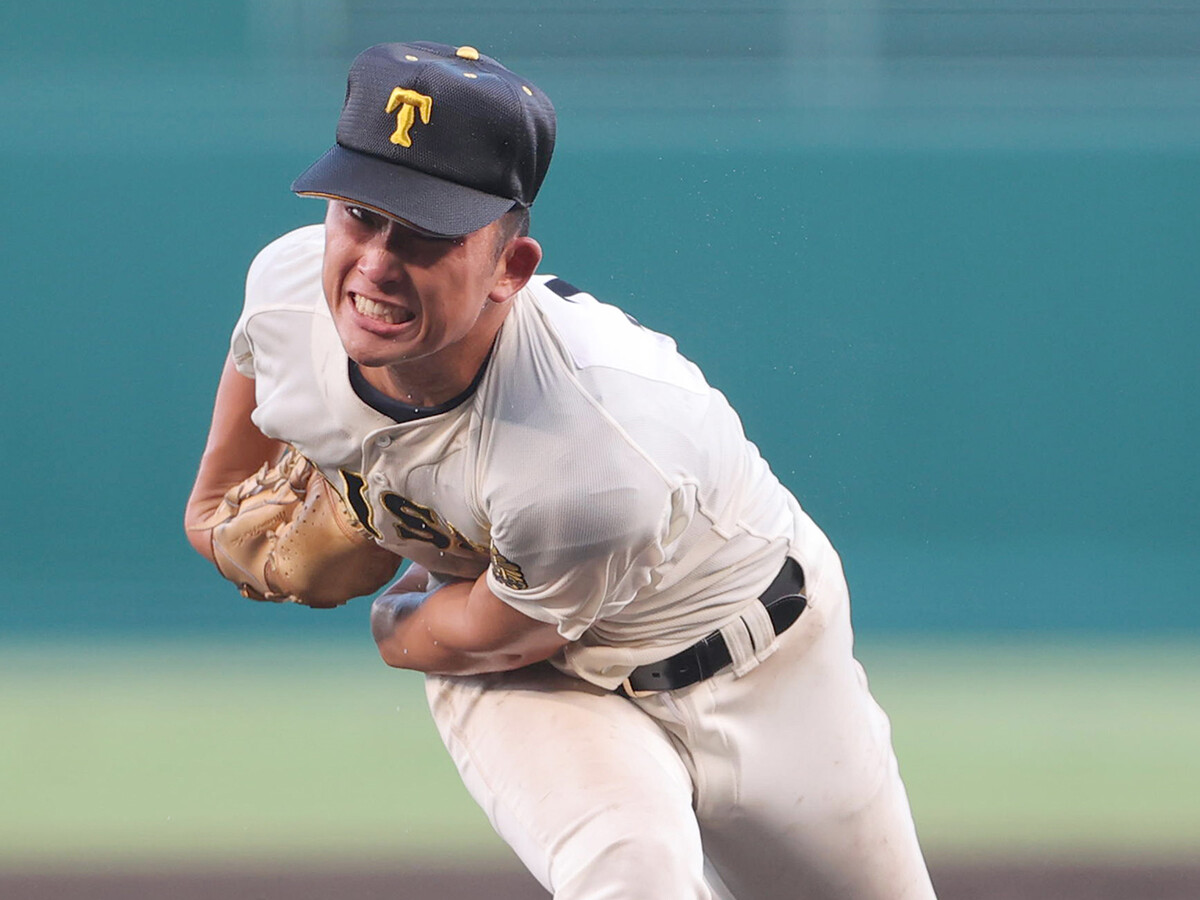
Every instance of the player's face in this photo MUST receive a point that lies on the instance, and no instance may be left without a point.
(400, 299)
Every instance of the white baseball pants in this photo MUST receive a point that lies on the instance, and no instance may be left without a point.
(782, 779)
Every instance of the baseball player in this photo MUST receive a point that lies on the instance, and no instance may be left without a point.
(638, 645)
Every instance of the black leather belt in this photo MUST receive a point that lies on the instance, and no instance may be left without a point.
(784, 600)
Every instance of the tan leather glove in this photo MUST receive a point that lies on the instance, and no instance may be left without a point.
(286, 535)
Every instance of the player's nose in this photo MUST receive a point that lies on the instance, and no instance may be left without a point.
(379, 263)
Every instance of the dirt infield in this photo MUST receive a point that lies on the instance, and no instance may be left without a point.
(991, 881)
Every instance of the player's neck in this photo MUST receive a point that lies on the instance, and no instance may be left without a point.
(420, 389)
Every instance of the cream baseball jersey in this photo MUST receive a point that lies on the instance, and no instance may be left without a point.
(595, 476)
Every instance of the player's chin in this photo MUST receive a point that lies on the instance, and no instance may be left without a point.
(369, 355)
(377, 343)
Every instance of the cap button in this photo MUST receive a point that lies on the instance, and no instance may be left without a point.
(467, 53)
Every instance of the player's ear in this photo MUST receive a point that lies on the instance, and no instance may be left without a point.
(516, 266)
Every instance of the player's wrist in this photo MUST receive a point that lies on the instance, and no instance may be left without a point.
(390, 609)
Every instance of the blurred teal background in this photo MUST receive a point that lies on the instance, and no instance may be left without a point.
(942, 257)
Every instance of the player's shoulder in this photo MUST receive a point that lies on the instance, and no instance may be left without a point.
(299, 243)
(595, 335)
(299, 248)
(285, 267)
(581, 318)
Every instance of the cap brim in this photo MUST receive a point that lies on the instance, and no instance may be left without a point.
(433, 205)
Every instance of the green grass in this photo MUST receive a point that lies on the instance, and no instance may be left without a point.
(203, 752)
(1049, 749)
(200, 752)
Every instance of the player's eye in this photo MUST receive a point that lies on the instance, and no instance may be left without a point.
(363, 215)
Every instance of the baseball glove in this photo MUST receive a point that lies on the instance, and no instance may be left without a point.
(285, 535)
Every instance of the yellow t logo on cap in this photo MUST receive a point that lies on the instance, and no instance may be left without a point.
(408, 103)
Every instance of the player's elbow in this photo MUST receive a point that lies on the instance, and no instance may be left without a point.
(393, 655)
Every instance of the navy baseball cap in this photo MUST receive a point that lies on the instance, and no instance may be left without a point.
(441, 138)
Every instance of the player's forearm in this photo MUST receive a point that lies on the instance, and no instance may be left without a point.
(220, 470)
(235, 450)
(427, 632)
(446, 633)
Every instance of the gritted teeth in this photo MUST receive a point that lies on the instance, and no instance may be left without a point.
(382, 311)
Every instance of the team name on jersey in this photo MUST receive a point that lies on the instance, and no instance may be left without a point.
(414, 522)
(411, 520)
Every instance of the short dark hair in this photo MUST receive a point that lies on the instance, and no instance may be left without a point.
(514, 223)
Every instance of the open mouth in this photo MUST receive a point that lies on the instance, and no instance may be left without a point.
(381, 312)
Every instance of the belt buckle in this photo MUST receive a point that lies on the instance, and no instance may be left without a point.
(633, 693)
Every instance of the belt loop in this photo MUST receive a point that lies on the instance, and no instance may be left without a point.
(762, 633)
(741, 646)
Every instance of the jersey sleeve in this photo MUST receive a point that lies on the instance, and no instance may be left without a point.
(580, 540)
(269, 282)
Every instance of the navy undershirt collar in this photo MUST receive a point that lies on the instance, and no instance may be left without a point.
(398, 410)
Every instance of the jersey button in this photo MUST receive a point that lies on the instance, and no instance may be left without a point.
(383, 441)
